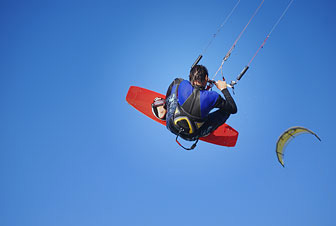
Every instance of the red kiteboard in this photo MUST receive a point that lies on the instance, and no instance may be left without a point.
(142, 99)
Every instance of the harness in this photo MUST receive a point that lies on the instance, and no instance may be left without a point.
(188, 124)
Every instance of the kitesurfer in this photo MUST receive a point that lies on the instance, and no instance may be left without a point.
(188, 105)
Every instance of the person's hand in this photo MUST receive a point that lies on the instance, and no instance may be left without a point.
(162, 112)
(220, 84)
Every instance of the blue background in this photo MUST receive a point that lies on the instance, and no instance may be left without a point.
(73, 152)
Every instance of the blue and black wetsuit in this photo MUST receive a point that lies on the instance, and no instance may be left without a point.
(186, 101)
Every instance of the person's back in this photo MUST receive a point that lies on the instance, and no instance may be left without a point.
(204, 100)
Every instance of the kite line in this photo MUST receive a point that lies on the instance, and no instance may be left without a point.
(214, 36)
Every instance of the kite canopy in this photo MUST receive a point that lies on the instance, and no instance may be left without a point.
(286, 137)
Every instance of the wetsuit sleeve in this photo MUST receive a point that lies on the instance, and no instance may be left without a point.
(227, 104)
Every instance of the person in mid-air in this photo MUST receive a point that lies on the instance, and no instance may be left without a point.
(187, 106)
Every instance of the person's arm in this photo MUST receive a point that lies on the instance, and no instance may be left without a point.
(228, 104)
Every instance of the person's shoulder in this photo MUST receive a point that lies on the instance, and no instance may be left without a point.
(210, 93)
(184, 82)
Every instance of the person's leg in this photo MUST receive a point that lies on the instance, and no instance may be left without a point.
(213, 121)
(171, 104)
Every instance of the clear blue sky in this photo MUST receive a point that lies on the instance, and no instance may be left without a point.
(73, 152)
